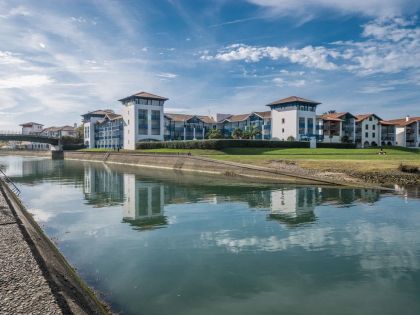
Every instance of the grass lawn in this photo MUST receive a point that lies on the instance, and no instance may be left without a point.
(320, 159)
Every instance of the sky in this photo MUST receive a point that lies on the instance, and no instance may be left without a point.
(60, 59)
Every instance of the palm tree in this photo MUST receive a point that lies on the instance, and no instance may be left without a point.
(251, 132)
(237, 133)
(214, 134)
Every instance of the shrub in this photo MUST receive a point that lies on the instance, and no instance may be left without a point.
(214, 134)
(408, 168)
(219, 144)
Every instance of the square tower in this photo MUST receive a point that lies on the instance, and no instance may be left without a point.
(143, 118)
(293, 118)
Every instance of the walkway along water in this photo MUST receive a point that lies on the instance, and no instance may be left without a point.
(35, 278)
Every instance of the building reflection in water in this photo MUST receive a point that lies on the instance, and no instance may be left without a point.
(144, 200)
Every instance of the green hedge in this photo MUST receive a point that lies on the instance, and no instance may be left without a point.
(73, 146)
(221, 144)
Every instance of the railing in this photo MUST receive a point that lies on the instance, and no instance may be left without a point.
(8, 181)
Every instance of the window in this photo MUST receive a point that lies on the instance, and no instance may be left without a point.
(373, 127)
(373, 135)
(301, 125)
(366, 134)
(283, 120)
(367, 127)
(310, 125)
(370, 118)
(155, 122)
(143, 123)
(282, 130)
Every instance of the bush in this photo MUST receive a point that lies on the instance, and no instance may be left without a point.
(408, 168)
(220, 144)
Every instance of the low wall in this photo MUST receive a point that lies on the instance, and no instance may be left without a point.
(46, 153)
(185, 163)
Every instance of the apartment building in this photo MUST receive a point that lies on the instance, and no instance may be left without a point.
(293, 118)
(32, 128)
(336, 127)
(368, 130)
(407, 131)
(59, 132)
(143, 118)
(89, 120)
(187, 127)
(260, 120)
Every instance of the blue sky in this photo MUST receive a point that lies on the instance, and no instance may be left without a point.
(59, 59)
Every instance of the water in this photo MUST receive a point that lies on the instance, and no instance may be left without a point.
(161, 243)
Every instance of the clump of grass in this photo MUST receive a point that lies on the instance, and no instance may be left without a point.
(408, 168)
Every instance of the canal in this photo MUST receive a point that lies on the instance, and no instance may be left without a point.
(156, 242)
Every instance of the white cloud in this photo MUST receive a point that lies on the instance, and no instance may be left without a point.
(390, 45)
(313, 57)
(25, 81)
(9, 58)
(365, 7)
(167, 75)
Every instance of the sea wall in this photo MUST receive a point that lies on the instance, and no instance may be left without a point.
(196, 164)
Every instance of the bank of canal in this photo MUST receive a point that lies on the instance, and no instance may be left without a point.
(156, 242)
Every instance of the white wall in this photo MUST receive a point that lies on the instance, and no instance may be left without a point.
(370, 138)
(290, 124)
(400, 137)
(130, 117)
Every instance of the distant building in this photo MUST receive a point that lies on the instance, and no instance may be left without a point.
(187, 127)
(368, 130)
(337, 127)
(260, 120)
(59, 132)
(293, 117)
(407, 131)
(33, 128)
(143, 118)
(388, 133)
(109, 132)
(89, 121)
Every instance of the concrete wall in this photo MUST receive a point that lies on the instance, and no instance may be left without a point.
(280, 130)
(196, 164)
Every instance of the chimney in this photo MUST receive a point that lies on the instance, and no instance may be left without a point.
(407, 118)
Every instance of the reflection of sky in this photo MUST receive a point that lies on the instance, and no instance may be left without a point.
(229, 258)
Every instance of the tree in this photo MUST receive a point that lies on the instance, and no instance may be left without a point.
(214, 134)
(251, 132)
(345, 139)
(237, 133)
(290, 138)
(80, 132)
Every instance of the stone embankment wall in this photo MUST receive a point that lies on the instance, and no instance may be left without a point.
(186, 163)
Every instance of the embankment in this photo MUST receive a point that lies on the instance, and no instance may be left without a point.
(70, 292)
(197, 164)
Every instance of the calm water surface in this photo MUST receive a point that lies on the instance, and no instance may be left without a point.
(163, 243)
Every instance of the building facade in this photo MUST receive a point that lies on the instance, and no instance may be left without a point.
(336, 127)
(368, 130)
(143, 118)
(407, 131)
(261, 121)
(293, 118)
(89, 120)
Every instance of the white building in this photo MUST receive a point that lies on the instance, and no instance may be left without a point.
(143, 118)
(407, 131)
(33, 128)
(336, 127)
(368, 130)
(293, 118)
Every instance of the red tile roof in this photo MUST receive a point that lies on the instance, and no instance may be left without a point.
(401, 121)
(184, 118)
(362, 117)
(292, 99)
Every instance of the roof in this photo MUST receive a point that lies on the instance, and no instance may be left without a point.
(145, 95)
(184, 117)
(362, 117)
(63, 128)
(29, 124)
(401, 121)
(114, 116)
(100, 112)
(292, 99)
(333, 116)
(242, 117)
